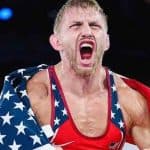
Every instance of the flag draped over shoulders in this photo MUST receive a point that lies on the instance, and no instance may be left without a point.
(19, 129)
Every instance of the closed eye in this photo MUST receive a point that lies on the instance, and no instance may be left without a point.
(75, 25)
(95, 26)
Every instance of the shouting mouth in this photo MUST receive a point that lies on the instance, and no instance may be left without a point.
(86, 50)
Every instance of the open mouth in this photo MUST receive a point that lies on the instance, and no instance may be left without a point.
(86, 50)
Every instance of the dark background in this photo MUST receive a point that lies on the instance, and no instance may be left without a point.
(24, 38)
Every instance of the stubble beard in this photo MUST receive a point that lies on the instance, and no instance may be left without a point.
(81, 72)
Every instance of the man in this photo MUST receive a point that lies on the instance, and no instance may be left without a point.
(78, 103)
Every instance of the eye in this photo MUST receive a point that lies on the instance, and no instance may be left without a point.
(95, 26)
(75, 25)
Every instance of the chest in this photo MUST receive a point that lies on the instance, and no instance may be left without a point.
(90, 113)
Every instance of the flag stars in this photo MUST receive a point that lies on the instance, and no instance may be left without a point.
(1, 138)
(110, 72)
(6, 118)
(27, 77)
(39, 66)
(7, 95)
(117, 106)
(114, 88)
(53, 87)
(56, 121)
(14, 146)
(112, 115)
(12, 81)
(19, 106)
(64, 112)
(121, 124)
(23, 93)
(36, 139)
(21, 71)
(31, 119)
(42, 65)
(7, 78)
(30, 112)
(56, 103)
(20, 128)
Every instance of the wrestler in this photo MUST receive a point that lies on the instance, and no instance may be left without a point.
(99, 110)
(77, 104)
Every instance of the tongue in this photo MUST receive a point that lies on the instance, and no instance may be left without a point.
(86, 56)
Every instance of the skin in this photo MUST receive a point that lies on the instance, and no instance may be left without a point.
(89, 92)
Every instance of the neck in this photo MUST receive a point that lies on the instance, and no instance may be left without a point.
(82, 85)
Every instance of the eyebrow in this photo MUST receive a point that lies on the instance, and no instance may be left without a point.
(91, 22)
(78, 22)
(95, 22)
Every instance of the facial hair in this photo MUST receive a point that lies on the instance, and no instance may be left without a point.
(84, 72)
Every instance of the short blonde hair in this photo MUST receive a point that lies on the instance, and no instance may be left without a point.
(76, 3)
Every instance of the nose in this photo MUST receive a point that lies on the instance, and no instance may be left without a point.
(86, 30)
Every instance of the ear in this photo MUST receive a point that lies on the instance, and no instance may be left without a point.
(55, 42)
(107, 44)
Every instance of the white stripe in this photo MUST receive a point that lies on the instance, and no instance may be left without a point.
(47, 129)
(45, 147)
(128, 146)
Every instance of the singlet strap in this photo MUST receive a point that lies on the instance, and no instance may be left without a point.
(59, 115)
(116, 113)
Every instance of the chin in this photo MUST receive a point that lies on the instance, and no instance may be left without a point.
(84, 72)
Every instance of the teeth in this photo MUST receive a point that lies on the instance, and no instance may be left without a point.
(86, 45)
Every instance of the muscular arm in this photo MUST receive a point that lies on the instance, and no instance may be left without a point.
(137, 117)
(141, 127)
(136, 114)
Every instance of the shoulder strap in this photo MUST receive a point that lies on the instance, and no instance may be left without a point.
(59, 113)
(116, 114)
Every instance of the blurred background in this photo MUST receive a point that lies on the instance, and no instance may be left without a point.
(25, 26)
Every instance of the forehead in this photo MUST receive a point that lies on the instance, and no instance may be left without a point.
(82, 14)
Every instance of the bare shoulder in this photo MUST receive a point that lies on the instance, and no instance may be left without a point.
(39, 96)
(37, 86)
(131, 100)
(136, 113)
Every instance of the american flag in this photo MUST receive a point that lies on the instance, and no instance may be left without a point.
(19, 129)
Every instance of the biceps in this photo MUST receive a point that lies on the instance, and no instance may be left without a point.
(141, 136)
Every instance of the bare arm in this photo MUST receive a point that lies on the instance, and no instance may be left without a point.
(136, 114)
(141, 126)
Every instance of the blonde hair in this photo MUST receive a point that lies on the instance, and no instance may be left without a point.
(77, 3)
